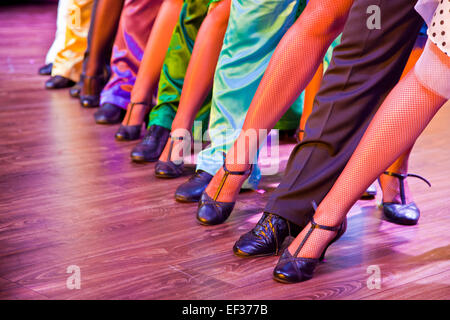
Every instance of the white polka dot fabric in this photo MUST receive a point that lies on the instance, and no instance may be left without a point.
(436, 14)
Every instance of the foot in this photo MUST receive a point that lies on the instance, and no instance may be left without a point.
(218, 200)
(170, 164)
(152, 145)
(90, 91)
(46, 70)
(397, 204)
(130, 128)
(109, 114)
(192, 190)
(403, 214)
(266, 237)
(74, 92)
(231, 185)
(299, 260)
(136, 113)
(58, 82)
(128, 133)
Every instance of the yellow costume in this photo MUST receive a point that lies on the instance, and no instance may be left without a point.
(68, 62)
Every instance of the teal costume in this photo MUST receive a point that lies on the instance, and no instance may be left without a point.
(254, 30)
(175, 65)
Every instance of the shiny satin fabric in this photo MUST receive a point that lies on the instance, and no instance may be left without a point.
(254, 29)
(60, 34)
(68, 61)
(175, 66)
(135, 25)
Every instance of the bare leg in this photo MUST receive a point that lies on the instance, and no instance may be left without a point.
(152, 61)
(400, 120)
(200, 72)
(104, 28)
(301, 49)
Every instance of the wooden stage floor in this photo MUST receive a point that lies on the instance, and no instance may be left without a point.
(69, 195)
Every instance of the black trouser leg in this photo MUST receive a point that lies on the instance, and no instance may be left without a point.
(364, 68)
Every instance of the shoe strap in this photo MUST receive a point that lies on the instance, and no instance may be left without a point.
(401, 177)
(314, 225)
(238, 173)
(172, 139)
(132, 104)
(225, 176)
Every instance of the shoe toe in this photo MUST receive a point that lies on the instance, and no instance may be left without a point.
(109, 114)
(100, 117)
(143, 153)
(74, 92)
(402, 214)
(121, 136)
(45, 70)
(208, 215)
(284, 275)
(241, 250)
(137, 155)
(164, 170)
(50, 84)
(185, 194)
(293, 270)
(88, 102)
(249, 245)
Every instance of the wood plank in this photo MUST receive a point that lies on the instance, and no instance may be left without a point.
(69, 195)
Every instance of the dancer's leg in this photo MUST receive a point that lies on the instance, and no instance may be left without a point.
(136, 23)
(200, 72)
(102, 32)
(151, 64)
(244, 57)
(390, 185)
(68, 62)
(395, 127)
(60, 35)
(301, 49)
(310, 93)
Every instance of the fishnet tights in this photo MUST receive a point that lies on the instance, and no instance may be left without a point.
(292, 66)
(400, 120)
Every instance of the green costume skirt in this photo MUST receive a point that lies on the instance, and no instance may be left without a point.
(254, 30)
(175, 65)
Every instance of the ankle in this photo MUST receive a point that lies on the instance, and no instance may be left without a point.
(136, 113)
(174, 149)
(390, 187)
(314, 245)
(225, 189)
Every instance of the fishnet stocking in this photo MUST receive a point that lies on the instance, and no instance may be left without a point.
(292, 66)
(200, 72)
(391, 185)
(403, 116)
(153, 59)
(233, 183)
